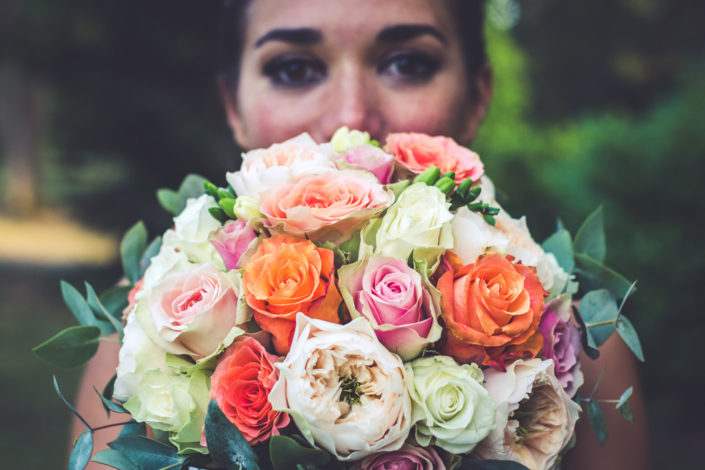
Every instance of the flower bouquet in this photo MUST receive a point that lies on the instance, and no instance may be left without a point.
(348, 305)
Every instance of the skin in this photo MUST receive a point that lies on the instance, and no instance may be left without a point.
(351, 66)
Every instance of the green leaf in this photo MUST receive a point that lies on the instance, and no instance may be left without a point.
(561, 246)
(148, 453)
(69, 405)
(626, 411)
(169, 200)
(594, 275)
(150, 252)
(102, 312)
(111, 405)
(586, 339)
(628, 334)
(225, 443)
(286, 453)
(78, 305)
(590, 238)
(597, 420)
(599, 311)
(115, 459)
(191, 187)
(71, 347)
(115, 300)
(134, 429)
(82, 451)
(132, 247)
(625, 396)
(472, 464)
(228, 205)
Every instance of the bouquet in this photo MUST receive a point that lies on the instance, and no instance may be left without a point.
(348, 305)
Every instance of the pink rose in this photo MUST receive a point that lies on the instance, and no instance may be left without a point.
(561, 342)
(417, 152)
(372, 159)
(407, 458)
(337, 200)
(232, 240)
(394, 299)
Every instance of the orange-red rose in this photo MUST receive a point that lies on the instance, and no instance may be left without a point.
(285, 276)
(241, 384)
(492, 309)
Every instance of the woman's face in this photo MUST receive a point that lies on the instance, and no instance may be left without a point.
(381, 66)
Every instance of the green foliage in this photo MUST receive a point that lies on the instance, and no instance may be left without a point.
(628, 334)
(146, 453)
(590, 237)
(226, 445)
(597, 420)
(132, 248)
(287, 453)
(561, 246)
(71, 347)
(82, 451)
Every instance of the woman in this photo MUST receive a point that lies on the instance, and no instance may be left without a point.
(397, 65)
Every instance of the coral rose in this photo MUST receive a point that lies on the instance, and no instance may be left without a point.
(492, 309)
(241, 384)
(417, 152)
(285, 276)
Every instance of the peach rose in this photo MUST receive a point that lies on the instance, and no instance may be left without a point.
(285, 276)
(241, 384)
(417, 152)
(492, 310)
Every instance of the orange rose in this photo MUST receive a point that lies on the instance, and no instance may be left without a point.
(417, 152)
(492, 310)
(285, 276)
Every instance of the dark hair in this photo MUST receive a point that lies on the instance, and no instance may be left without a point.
(469, 16)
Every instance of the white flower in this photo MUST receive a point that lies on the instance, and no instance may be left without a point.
(345, 391)
(535, 417)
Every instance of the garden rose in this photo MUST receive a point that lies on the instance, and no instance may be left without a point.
(346, 392)
(451, 408)
(395, 300)
(407, 458)
(417, 152)
(192, 311)
(372, 159)
(263, 170)
(492, 309)
(285, 276)
(232, 241)
(241, 384)
(535, 417)
(335, 201)
(561, 343)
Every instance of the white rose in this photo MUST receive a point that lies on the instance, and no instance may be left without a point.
(167, 261)
(192, 228)
(263, 170)
(535, 417)
(346, 392)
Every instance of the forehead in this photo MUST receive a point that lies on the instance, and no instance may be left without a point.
(346, 19)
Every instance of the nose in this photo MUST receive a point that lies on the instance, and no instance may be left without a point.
(351, 101)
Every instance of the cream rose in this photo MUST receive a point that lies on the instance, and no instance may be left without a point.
(535, 417)
(345, 391)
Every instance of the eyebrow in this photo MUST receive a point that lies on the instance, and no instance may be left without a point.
(404, 32)
(301, 36)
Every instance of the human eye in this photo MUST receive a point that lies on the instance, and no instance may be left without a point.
(294, 71)
(409, 66)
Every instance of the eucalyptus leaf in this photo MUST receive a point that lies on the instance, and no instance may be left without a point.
(82, 451)
(590, 237)
(169, 200)
(473, 464)
(191, 187)
(285, 453)
(599, 311)
(115, 459)
(111, 405)
(115, 300)
(586, 339)
(134, 429)
(594, 275)
(78, 305)
(148, 453)
(225, 443)
(628, 334)
(625, 396)
(597, 420)
(102, 312)
(69, 405)
(561, 246)
(132, 247)
(626, 411)
(71, 347)
(150, 252)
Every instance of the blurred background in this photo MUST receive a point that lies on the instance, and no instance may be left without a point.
(102, 103)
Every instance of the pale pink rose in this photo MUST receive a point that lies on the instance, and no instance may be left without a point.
(394, 299)
(193, 311)
(232, 240)
(337, 200)
(372, 159)
(561, 343)
(407, 458)
(417, 152)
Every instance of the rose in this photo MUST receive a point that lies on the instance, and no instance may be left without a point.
(451, 409)
(535, 417)
(344, 138)
(337, 201)
(372, 159)
(417, 152)
(407, 458)
(246, 208)
(492, 309)
(561, 343)
(394, 299)
(263, 170)
(241, 384)
(192, 311)
(345, 391)
(419, 219)
(232, 241)
(289, 275)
